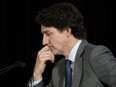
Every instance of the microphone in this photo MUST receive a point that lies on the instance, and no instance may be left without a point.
(20, 64)
(16, 64)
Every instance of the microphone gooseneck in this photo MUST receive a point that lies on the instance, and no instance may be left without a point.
(16, 64)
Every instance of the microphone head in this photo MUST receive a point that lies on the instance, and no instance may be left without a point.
(20, 64)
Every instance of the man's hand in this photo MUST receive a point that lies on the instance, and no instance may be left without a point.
(43, 56)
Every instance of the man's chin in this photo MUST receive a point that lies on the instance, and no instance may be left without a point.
(55, 53)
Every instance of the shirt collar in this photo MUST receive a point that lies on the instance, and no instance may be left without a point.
(74, 50)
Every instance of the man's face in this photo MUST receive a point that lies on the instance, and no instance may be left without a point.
(54, 39)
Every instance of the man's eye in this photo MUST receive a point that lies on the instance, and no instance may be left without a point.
(48, 34)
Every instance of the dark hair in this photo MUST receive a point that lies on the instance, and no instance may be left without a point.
(61, 16)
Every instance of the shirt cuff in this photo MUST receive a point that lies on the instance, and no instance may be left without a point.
(36, 82)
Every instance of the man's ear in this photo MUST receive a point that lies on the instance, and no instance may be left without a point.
(68, 32)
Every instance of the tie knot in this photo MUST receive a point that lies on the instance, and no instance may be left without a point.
(68, 63)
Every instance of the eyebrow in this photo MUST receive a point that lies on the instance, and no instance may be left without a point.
(46, 31)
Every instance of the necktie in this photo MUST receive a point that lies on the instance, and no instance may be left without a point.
(68, 74)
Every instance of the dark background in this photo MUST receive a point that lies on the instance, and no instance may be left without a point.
(21, 38)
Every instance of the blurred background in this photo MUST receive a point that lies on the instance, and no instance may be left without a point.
(21, 38)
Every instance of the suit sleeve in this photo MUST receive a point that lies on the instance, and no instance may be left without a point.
(29, 84)
(104, 65)
(40, 84)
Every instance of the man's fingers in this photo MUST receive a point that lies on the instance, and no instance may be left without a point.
(45, 56)
(44, 49)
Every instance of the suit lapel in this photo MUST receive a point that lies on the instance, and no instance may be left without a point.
(77, 72)
(78, 64)
(61, 71)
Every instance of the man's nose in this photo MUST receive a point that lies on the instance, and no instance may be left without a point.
(45, 40)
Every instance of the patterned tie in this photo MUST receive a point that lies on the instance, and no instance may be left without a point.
(68, 74)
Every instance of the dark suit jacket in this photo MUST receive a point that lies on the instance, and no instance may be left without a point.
(93, 66)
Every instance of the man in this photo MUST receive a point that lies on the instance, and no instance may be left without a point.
(64, 34)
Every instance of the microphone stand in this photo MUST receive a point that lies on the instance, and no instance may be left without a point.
(6, 69)
(18, 63)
